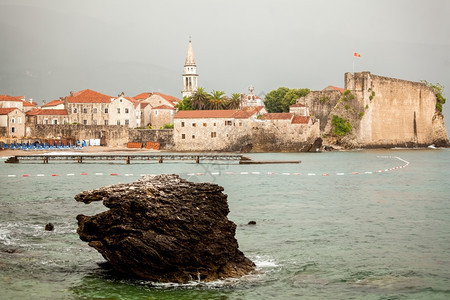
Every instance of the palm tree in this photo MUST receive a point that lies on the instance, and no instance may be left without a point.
(217, 100)
(234, 102)
(200, 99)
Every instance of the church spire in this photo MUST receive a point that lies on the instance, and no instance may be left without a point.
(190, 73)
(190, 60)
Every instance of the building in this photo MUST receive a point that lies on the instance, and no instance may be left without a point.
(12, 122)
(124, 111)
(251, 99)
(153, 100)
(88, 107)
(190, 76)
(48, 116)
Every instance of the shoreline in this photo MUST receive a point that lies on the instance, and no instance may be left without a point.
(100, 149)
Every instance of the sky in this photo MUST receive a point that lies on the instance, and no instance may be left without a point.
(51, 47)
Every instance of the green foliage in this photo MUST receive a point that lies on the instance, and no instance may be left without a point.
(438, 89)
(347, 107)
(341, 126)
(273, 100)
(361, 114)
(324, 99)
(184, 104)
(168, 126)
(149, 126)
(346, 92)
(367, 106)
(370, 97)
(352, 97)
(279, 100)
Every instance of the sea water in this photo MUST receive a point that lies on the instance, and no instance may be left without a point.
(340, 225)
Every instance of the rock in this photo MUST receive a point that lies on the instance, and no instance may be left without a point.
(49, 227)
(251, 223)
(164, 228)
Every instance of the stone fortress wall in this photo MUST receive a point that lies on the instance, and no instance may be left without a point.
(396, 112)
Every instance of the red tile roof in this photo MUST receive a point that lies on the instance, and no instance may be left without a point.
(5, 111)
(142, 96)
(277, 116)
(89, 96)
(10, 98)
(171, 99)
(26, 103)
(47, 112)
(202, 114)
(164, 107)
(299, 105)
(53, 103)
(300, 120)
(335, 88)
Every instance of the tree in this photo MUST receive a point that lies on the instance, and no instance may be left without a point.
(184, 104)
(200, 99)
(217, 100)
(234, 102)
(438, 89)
(273, 100)
(291, 97)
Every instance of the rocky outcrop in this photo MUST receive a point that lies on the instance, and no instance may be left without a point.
(164, 228)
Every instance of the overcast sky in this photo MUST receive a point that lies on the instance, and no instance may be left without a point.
(51, 47)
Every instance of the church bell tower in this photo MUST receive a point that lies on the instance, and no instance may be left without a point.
(190, 73)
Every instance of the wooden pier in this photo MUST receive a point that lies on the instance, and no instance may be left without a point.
(160, 158)
(80, 158)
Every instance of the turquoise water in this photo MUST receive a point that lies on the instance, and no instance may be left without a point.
(340, 225)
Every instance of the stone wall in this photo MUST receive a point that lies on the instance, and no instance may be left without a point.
(282, 136)
(321, 103)
(396, 112)
(109, 135)
(162, 136)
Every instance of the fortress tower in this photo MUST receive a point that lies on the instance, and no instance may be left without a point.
(190, 73)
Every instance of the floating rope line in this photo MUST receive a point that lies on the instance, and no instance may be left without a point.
(215, 173)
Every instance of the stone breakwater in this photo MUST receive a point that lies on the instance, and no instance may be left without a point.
(164, 228)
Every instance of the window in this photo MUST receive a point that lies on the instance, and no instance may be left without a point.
(85, 110)
(193, 136)
(19, 120)
(94, 110)
(95, 122)
(118, 122)
(228, 123)
(118, 110)
(214, 124)
(85, 122)
(183, 136)
(55, 121)
(45, 121)
(204, 124)
(156, 112)
(126, 110)
(75, 110)
(127, 122)
(240, 123)
(193, 124)
(13, 120)
(182, 124)
(213, 134)
(106, 110)
(106, 122)
(13, 129)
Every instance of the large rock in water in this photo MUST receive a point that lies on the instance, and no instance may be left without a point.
(164, 228)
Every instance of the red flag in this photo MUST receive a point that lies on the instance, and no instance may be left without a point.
(356, 54)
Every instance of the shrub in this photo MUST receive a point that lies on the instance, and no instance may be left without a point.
(347, 107)
(346, 92)
(168, 126)
(361, 114)
(341, 126)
